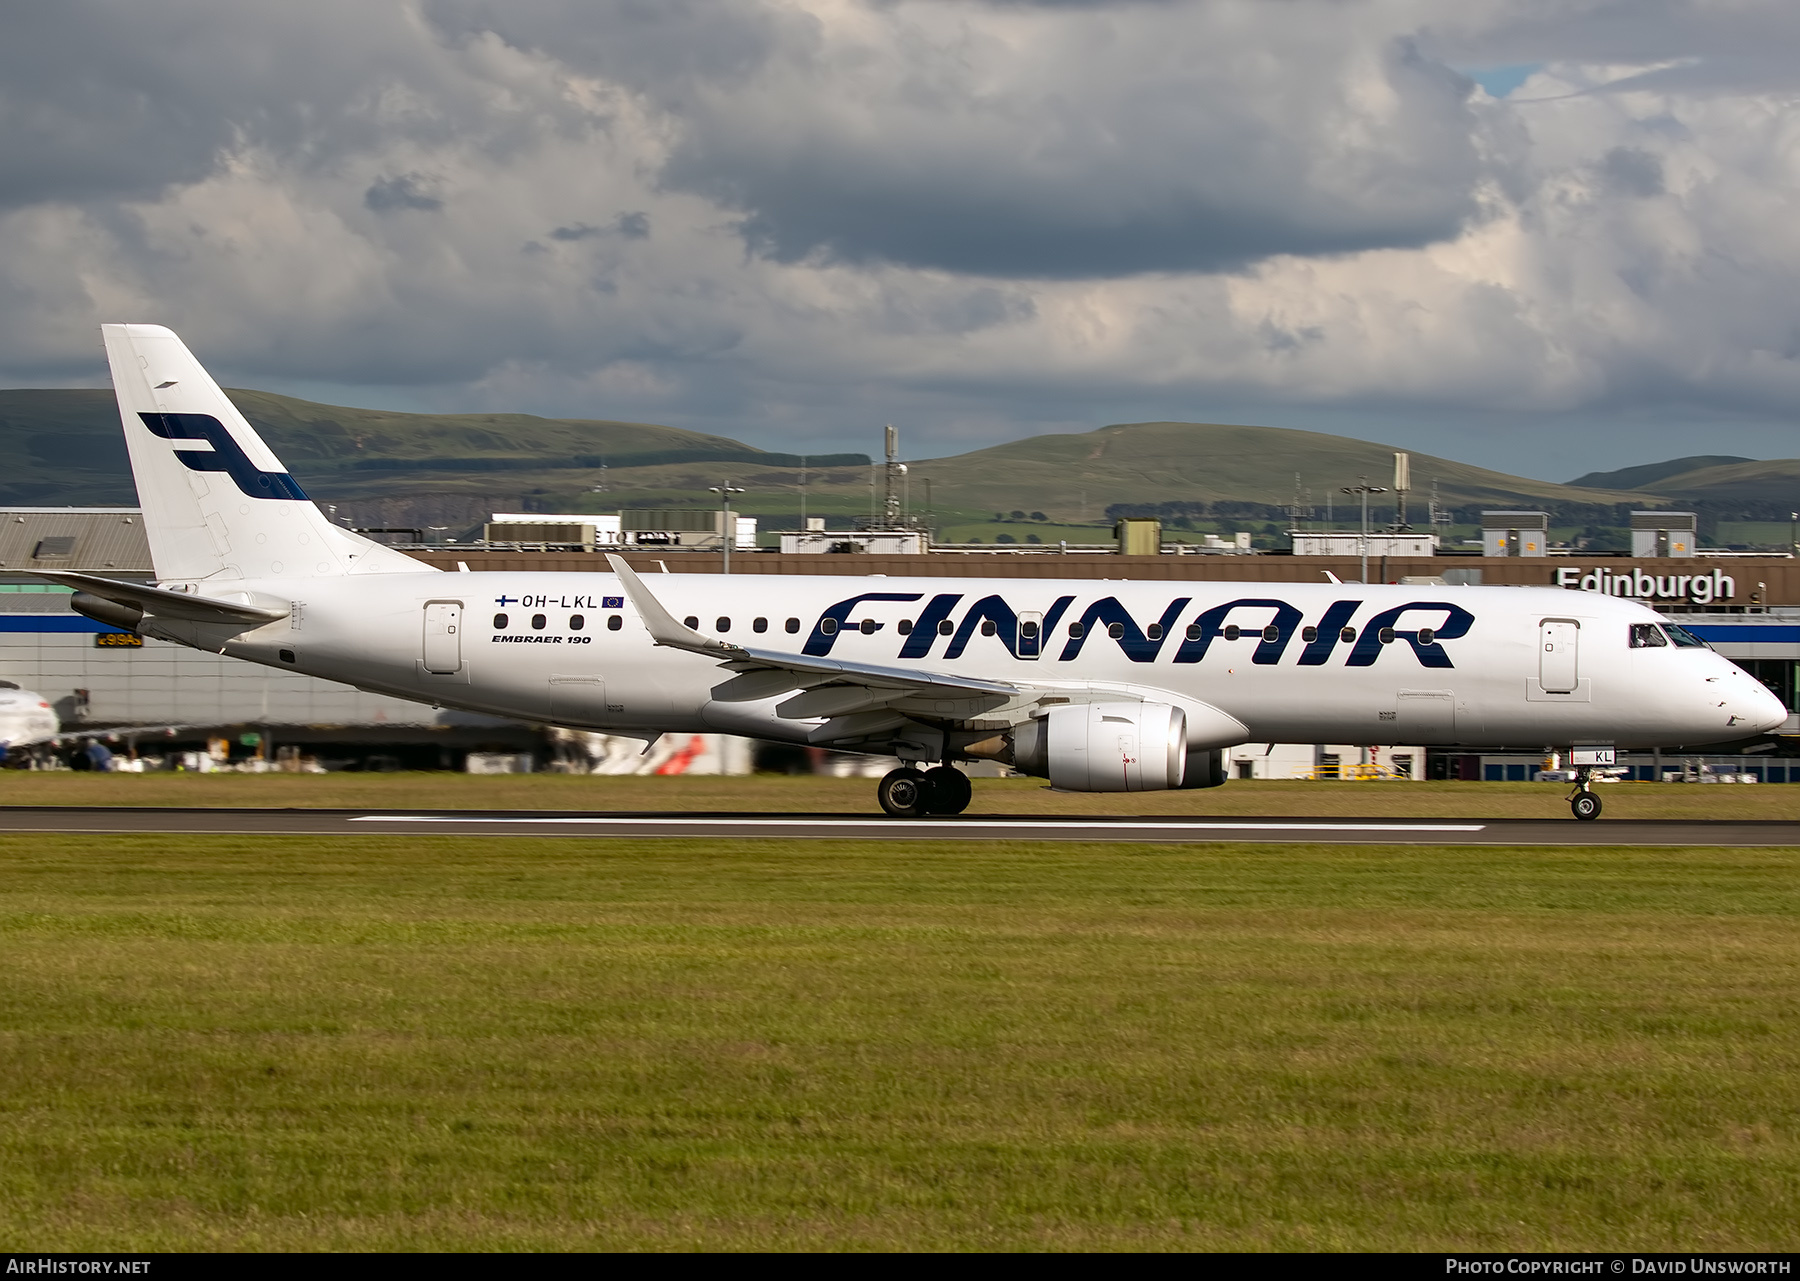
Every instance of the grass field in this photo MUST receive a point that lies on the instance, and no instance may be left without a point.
(775, 793)
(807, 794)
(449, 1043)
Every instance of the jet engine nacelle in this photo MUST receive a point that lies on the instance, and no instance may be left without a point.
(101, 610)
(1114, 747)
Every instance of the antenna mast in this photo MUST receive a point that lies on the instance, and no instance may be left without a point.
(894, 484)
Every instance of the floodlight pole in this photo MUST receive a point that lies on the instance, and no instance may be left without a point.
(1364, 489)
(727, 526)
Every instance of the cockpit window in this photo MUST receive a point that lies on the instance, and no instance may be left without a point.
(1647, 636)
(1683, 638)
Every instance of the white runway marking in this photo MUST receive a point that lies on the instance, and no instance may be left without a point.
(891, 824)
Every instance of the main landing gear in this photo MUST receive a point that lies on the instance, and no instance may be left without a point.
(1583, 802)
(910, 793)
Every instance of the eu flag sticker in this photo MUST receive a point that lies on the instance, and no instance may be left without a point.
(612, 602)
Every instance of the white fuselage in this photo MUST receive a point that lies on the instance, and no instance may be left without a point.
(1099, 685)
(1341, 663)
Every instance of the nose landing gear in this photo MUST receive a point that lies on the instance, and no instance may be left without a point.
(1583, 802)
(910, 793)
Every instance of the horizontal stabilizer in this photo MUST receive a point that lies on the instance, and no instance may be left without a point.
(162, 603)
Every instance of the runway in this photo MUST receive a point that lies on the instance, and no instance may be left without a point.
(1185, 829)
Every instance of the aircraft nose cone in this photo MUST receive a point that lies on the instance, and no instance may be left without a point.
(1767, 712)
(1747, 703)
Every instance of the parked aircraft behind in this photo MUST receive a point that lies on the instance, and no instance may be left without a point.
(1095, 685)
(26, 718)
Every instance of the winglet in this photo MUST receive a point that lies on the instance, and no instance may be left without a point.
(663, 627)
(1333, 577)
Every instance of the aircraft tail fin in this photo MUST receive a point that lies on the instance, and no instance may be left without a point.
(218, 504)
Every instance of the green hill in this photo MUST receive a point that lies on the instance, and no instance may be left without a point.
(1718, 483)
(1772, 483)
(1066, 476)
(1647, 474)
(64, 447)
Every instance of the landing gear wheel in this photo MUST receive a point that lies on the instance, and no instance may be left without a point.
(950, 790)
(1586, 805)
(905, 793)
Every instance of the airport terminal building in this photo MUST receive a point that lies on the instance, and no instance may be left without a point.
(1747, 607)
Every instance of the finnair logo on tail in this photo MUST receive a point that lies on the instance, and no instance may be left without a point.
(226, 454)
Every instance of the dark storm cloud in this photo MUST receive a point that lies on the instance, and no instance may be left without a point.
(107, 100)
(1632, 171)
(658, 46)
(632, 226)
(404, 191)
(84, 113)
(1084, 145)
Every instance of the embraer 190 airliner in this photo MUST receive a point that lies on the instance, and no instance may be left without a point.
(1096, 685)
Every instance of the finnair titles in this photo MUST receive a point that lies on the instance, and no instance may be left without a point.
(1096, 686)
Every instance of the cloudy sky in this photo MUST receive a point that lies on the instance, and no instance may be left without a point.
(1543, 235)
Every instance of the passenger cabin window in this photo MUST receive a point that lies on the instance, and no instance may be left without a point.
(691, 622)
(1309, 634)
(1271, 633)
(1115, 630)
(1347, 635)
(1154, 631)
(1075, 631)
(614, 622)
(1029, 629)
(539, 622)
(868, 626)
(904, 627)
(1193, 631)
(1647, 636)
(987, 627)
(722, 624)
(1385, 636)
(946, 627)
(759, 625)
(792, 624)
(1427, 636)
(1683, 638)
(828, 626)
(499, 622)
(1233, 631)
(576, 622)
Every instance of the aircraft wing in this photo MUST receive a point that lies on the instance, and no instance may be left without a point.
(162, 603)
(830, 687)
(859, 701)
